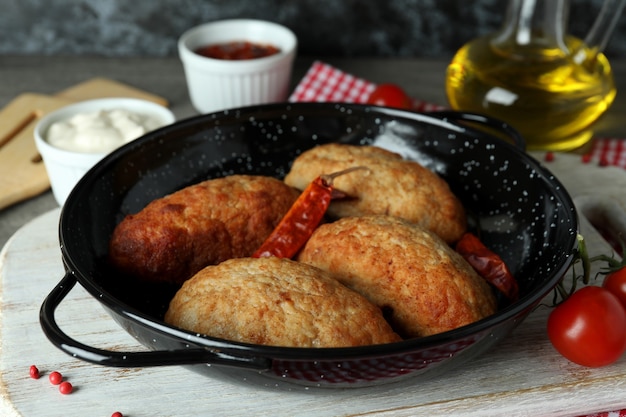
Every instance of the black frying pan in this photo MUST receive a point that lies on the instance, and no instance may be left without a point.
(521, 211)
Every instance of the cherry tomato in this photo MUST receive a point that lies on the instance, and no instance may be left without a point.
(615, 283)
(589, 328)
(390, 95)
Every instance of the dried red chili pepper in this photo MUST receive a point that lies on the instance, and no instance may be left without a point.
(303, 217)
(488, 265)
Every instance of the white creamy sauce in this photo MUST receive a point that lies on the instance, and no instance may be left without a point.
(100, 131)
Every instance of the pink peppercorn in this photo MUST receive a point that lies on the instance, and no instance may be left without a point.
(55, 378)
(34, 372)
(117, 414)
(603, 162)
(65, 388)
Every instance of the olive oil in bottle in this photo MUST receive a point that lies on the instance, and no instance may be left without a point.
(549, 86)
(551, 101)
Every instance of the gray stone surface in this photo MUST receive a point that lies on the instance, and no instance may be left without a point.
(351, 28)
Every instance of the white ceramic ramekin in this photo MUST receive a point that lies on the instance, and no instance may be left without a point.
(217, 84)
(65, 168)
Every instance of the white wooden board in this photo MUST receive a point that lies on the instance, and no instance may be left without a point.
(522, 376)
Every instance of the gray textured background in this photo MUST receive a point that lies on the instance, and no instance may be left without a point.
(400, 28)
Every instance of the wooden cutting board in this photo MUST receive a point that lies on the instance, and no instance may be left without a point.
(22, 172)
(522, 376)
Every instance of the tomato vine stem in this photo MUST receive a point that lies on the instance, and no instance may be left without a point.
(582, 256)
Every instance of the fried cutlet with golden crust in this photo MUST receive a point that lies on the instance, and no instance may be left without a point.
(277, 302)
(174, 237)
(391, 185)
(406, 270)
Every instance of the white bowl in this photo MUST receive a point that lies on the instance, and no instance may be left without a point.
(64, 167)
(218, 84)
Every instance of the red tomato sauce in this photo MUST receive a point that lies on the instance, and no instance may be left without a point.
(237, 50)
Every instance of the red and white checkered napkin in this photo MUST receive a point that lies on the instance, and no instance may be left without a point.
(323, 82)
(610, 151)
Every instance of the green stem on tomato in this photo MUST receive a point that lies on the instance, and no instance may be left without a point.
(611, 261)
(560, 291)
(582, 255)
(584, 258)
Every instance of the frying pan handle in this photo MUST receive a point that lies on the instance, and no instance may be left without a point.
(485, 121)
(78, 350)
